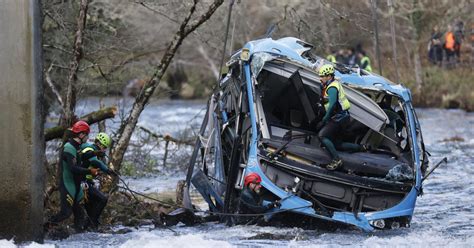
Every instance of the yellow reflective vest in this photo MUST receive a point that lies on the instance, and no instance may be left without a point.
(331, 58)
(84, 151)
(368, 67)
(341, 96)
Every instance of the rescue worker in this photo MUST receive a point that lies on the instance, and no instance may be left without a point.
(95, 200)
(332, 57)
(435, 52)
(71, 192)
(449, 45)
(336, 107)
(364, 61)
(250, 201)
(458, 38)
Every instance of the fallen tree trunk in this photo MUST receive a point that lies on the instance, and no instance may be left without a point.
(167, 137)
(94, 117)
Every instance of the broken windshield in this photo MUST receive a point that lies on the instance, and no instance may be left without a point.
(259, 60)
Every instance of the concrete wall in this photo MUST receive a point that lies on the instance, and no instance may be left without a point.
(21, 139)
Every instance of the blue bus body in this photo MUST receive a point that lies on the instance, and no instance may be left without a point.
(362, 211)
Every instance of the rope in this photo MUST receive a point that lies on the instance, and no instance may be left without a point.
(134, 193)
(136, 199)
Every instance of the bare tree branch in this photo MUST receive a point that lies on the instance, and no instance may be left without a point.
(127, 127)
(57, 48)
(336, 13)
(212, 65)
(166, 137)
(157, 12)
(74, 66)
(53, 88)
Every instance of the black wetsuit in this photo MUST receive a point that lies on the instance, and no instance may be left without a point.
(70, 189)
(250, 203)
(334, 121)
(95, 200)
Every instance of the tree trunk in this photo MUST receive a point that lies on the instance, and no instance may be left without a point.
(99, 115)
(101, 124)
(212, 65)
(407, 47)
(418, 69)
(128, 126)
(74, 65)
(375, 21)
(324, 29)
(53, 88)
(394, 41)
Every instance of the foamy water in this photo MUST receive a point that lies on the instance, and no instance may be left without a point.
(444, 215)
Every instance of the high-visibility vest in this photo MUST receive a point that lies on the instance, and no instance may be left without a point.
(84, 151)
(341, 96)
(331, 58)
(450, 41)
(366, 59)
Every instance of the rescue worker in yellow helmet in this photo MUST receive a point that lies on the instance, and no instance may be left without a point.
(336, 116)
(91, 154)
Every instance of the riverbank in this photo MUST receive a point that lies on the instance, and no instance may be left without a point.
(444, 88)
(441, 88)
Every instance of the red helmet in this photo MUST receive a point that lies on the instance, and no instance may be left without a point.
(81, 126)
(252, 178)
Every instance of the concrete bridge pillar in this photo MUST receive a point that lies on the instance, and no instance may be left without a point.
(21, 128)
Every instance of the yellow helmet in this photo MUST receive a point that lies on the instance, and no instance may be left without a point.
(326, 70)
(103, 139)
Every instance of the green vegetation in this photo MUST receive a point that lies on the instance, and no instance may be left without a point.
(444, 88)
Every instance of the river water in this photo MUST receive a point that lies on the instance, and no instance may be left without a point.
(444, 215)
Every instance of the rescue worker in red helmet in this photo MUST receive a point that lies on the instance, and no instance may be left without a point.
(71, 193)
(250, 201)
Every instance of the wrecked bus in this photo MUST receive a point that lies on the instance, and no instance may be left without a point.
(261, 119)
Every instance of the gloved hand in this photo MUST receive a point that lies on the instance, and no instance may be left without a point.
(94, 171)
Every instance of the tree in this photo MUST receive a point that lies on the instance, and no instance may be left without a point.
(128, 126)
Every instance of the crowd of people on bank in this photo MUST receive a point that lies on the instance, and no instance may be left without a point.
(444, 47)
(351, 57)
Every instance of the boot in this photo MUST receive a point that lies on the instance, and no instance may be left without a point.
(335, 164)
